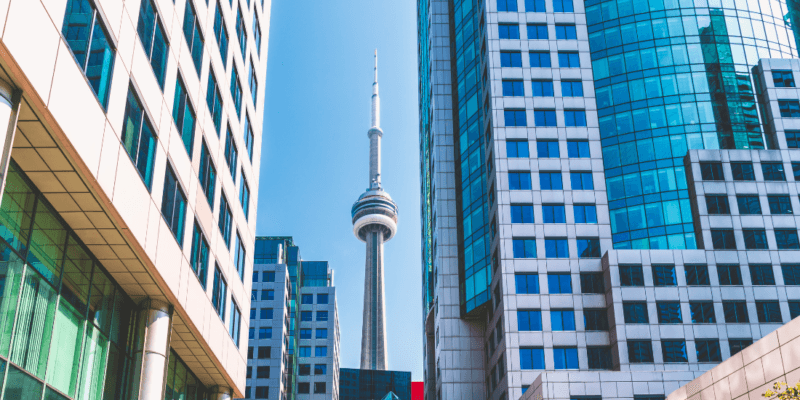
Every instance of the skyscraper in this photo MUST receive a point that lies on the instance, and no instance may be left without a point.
(374, 222)
(538, 186)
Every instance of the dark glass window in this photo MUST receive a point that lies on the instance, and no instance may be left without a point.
(515, 118)
(595, 319)
(307, 299)
(262, 372)
(702, 312)
(529, 320)
(508, 31)
(267, 295)
(550, 180)
(253, 82)
(138, 138)
(320, 369)
(306, 316)
(566, 32)
(585, 213)
(225, 220)
(534, 6)
(674, 351)
(517, 149)
(697, 275)
(537, 31)
(262, 392)
(539, 59)
(322, 298)
(762, 274)
(664, 275)
(588, 247)
(264, 352)
(207, 174)
(559, 283)
(547, 149)
(268, 276)
(592, 283)
(221, 35)
(214, 100)
(581, 181)
(553, 214)
(241, 32)
(718, 204)
(322, 316)
(244, 196)
(542, 88)
(319, 387)
(236, 92)
(565, 358)
(768, 312)
(513, 88)
(735, 311)
(524, 248)
(510, 58)
(173, 205)
(743, 171)
(783, 78)
(738, 345)
(773, 171)
(669, 312)
(755, 239)
(792, 139)
(708, 350)
(519, 181)
(722, 239)
(199, 256)
(711, 171)
(779, 204)
(256, 34)
(219, 292)
(599, 357)
(303, 387)
(194, 39)
(791, 274)
(748, 204)
(184, 116)
(506, 5)
(544, 117)
(578, 149)
(794, 309)
(556, 248)
(321, 333)
(562, 320)
(235, 323)
(571, 88)
(153, 39)
(786, 239)
(231, 153)
(789, 108)
(527, 283)
(631, 275)
(729, 275)
(521, 214)
(796, 171)
(563, 6)
(635, 312)
(267, 313)
(640, 351)
(568, 59)
(249, 138)
(80, 21)
(531, 358)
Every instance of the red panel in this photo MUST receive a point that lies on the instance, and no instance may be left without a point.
(417, 391)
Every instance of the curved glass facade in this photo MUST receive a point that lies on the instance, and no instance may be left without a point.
(673, 75)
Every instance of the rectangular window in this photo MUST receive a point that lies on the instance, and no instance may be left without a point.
(735, 312)
(702, 312)
(697, 275)
(219, 292)
(524, 248)
(717, 204)
(581, 180)
(748, 204)
(562, 320)
(244, 196)
(510, 59)
(588, 247)
(640, 351)
(305, 351)
(674, 351)
(173, 205)
(769, 312)
(303, 387)
(199, 256)
(256, 34)
(556, 248)
(783, 78)
(517, 149)
(515, 118)
(214, 101)
(664, 275)
(322, 316)
(262, 392)
(321, 333)
(553, 214)
(306, 316)
(534, 6)
(184, 116)
(794, 309)
(321, 351)
(550, 180)
(567, 32)
(669, 312)
(521, 214)
(231, 153)
(268, 276)
(307, 299)
(595, 319)
(151, 34)
(559, 283)
(191, 32)
(221, 35)
(738, 345)
(508, 31)
(762, 275)
(578, 149)
(792, 139)
(539, 59)
(786, 239)
(262, 372)
(507, 5)
(568, 59)
(791, 274)
(789, 108)
(592, 283)
(236, 92)
(585, 213)
(241, 32)
(253, 82)
(722, 239)
(264, 353)
(755, 239)
(537, 31)
(320, 369)
(773, 171)
(527, 283)
(708, 350)
(542, 88)
(138, 137)
(529, 320)
(208, 174)
(631, 275)
(565, 358)
(322, 298)
(571, 88)
(711, 171)
(743, 171)
(635, 312)
(249, 138)
(599, 357)
(267, 313)
(235, 323)
(225, 220)
(575, 118)
(513, 88)
(544, 117)
(796, 170)
(240, 256)
(265, 333)
(729, 275)
(519, 181)
(547, 148)
(87, 39)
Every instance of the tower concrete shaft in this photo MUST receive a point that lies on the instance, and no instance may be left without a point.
(373, 329)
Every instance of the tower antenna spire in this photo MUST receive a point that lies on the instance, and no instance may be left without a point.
(376, 100)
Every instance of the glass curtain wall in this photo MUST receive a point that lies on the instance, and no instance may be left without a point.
(181, 384)
(426, 162)
(673, 75)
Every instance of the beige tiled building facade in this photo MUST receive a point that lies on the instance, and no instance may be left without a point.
(129, 204)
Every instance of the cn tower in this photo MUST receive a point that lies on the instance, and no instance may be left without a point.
(374, 222)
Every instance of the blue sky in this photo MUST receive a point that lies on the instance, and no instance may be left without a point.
(314, 161)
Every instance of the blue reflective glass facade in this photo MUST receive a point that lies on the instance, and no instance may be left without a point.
(673, 75)
(362, 384)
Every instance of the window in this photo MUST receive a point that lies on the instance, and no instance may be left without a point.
(221, 35)
(253, 81)
(507, 5)
(240, 256)
(173, 205)
(307, 299)
(729, 275)
(599, 357)
(253, 313)
(236, 92)
(153, 39)
(755, 239)
(592, 283)
(241, 32)
(786, 239)
(262, 392)
(225, 220)
(214, 100)
(782, 78)
(711, 171)
(559, 283)
(235, 323)
(542, 88)
(268, 276)
(768, 311)
(735, 312)
(743, 171)
(718, 204)
(303, 387)
(524, 248)
(581, 181)
(674, 351)
(794, 309)
(219, 292)
(575, 118)
(572, 89)
(792, 140)
(562, 320)
(231, 153)
(322, 298)
(199, 256)
(791, 274)
(631, 275)
(322, 333)
(519, 181)
(550, 180)
(635, 312)
(508, 31)
(539, 59)
(722, 239)
(640, 351)
(702, 312)
(595, 319)
(796, 170)
(184, 116)
(789, 108)
(208, 174)
(669, 312)
(138, 137)
(244, 196)
(249, 138)
(510, 59)
(321, 351)
(529, 320)
(320, 369)
(748, 204)
(527, 283)
(264, 352)
(515, 118)
(531, 358)
(708, 350)
(553, 213)
(534, 6)
(517, 149)
(262, 372)
(556, 248)
(544, 117)
(738, 345)
(585, 213)
(565, 358)
(521, 214)
(566, 32)
(773, 171)
(697, 275)
(191, 32)
(537, 31)
(547, 149)
(761, 274)
(256, 34)
(250, 352)
(267, 313)
(513, 88)
(588, 247)
(568, 59)
(322, 316)
(81, 20)
(306, 316)
(305, 351)
(664, 275)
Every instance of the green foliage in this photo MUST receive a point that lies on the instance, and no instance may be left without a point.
(790, 393)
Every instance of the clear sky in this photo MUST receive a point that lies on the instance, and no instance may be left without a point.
(314, 161)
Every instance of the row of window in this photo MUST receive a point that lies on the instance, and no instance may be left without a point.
(550, 180)
(702, 312)
(754, 239)
(544, 118)
(554, 213)
(540, 59)
(266, 294)
(263, 313)
(546, 148)
(321, 333)
(743, 171)
(264, 332)
(556, 247)
(698, 275)
(305, 369)
(535, 6)
(266, 276)
(322, 298)
(748, 204)
(306, 316)
(543, 88)
(537, 31)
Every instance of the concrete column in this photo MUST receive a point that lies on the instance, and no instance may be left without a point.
(220, 393)
(154, 325)
(9, 111)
